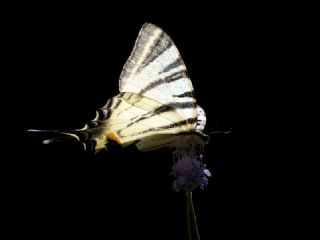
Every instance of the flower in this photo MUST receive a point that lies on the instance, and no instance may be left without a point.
(189, 170)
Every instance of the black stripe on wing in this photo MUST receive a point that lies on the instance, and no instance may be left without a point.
(178, 62)
(172, 125)
(171, 78)
(185, 94)
(162, 43)
(162, 109)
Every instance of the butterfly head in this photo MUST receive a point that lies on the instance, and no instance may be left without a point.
(201, 118)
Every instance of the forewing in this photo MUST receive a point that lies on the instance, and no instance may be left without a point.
(156, 70)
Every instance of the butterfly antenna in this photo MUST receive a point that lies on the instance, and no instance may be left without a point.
(220, 132)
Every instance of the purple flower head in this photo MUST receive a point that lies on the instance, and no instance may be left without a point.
(189, 170)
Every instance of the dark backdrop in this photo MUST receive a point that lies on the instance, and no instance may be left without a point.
(69, 63)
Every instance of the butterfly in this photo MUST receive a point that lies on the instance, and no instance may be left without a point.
(156, 106)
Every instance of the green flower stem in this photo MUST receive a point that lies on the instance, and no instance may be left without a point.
(190, 209)
(188, 217)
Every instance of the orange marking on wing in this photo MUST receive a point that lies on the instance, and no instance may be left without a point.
(113, 137)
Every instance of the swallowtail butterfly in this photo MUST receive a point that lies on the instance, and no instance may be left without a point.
(155, 108)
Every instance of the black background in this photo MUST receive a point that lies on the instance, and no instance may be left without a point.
(69, 62)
